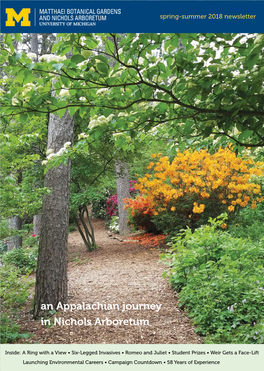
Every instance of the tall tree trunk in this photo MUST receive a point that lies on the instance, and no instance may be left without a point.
(34, 43)
(46, 43)
(37, 224)
(122, 186)
(51, 275)
(15, 224)
(34, 49)
(122, 180)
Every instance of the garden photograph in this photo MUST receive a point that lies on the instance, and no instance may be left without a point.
(132, 188)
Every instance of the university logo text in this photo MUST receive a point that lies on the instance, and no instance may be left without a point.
(23, 16)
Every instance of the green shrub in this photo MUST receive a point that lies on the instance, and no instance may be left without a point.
(9, 330)
(30, 241)
(4, 228)
(71, 228)
(14, 292)
(3, 246)
(99, 203)
(171, 223)
(244, 334)
(249, 224)
(221, 282)
(24, 258)
(99, 206)
(14, 288)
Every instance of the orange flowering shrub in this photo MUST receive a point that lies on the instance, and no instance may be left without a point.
(149, 239)
(196, 185)
(140, 213)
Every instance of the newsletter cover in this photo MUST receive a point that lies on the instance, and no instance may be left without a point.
(132, 185)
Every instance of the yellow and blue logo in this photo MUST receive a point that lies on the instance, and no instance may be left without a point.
(22, 17)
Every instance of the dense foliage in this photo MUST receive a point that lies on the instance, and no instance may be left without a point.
(210, 82)
(220, 280)
(14, 292)
(24, 258)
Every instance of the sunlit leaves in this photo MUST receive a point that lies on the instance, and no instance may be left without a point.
(77, 58)
(109, 47)
(72, 110)
(58, 66)
(194, 78)
(102, 68)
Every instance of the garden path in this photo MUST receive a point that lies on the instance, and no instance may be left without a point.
(116, 273)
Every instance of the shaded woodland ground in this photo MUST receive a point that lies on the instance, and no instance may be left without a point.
(117, 272)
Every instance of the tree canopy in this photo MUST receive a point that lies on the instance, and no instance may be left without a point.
(196, 84)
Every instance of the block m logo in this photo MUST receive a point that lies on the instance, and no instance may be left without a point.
(24, 15)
